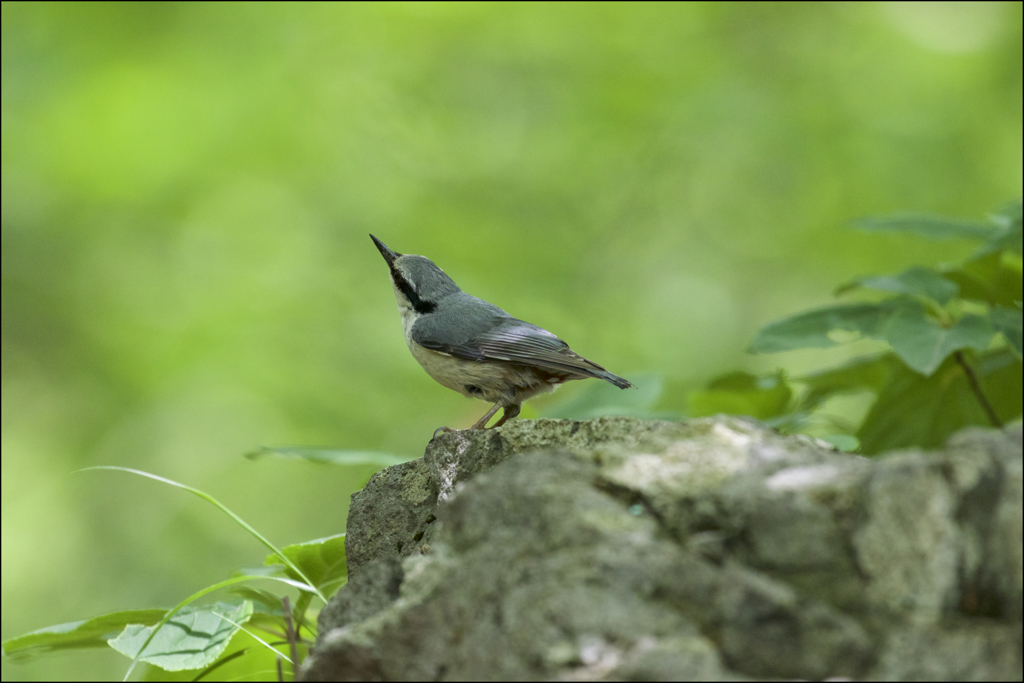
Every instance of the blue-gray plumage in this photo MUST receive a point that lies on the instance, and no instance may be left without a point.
(474, 347)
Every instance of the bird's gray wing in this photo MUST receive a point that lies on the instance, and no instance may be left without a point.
(453, 328)
(507, 340)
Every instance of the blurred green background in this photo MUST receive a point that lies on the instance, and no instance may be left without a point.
(188, 188)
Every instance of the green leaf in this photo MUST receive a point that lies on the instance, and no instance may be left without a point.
(741, 393)
(1008, 235)
(221, 661)
(993, 278)
(923, 344)
(245, 659)
(868, 373)
(270, 602)
(78, 634)
(1008, 239)
(814, 328)
(924, 225)
(916, 281)
(267, 619)
(192, 639)
(915, 410)
(601, 398)
(1009, 215)
(330, 456)
(322, 560)
(1009, 322)
(304, 587)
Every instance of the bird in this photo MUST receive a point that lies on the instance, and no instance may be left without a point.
(475, 348)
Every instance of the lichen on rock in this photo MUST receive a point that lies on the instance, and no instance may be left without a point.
(710, 549)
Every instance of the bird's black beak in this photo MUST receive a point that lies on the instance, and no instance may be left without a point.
(388, 255)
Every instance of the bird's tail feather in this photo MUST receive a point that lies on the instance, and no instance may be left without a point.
(614, 379)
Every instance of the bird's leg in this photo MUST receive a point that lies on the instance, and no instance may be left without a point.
(482, 422)
(510, 412)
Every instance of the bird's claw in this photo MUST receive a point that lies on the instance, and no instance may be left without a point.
(442, 429)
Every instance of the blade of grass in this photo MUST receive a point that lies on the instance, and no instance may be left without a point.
(256, 637)
(207, 497)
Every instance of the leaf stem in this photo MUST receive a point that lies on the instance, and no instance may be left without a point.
(972, 379)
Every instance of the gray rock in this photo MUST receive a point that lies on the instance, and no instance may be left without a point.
(712, 549)
(975, 651)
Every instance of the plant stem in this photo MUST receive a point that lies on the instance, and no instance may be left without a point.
(290, 631)
(972, 379)
(299, 613)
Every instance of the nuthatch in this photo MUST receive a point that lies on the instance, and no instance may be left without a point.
(475, 348)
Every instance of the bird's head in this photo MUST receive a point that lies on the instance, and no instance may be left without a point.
(419, 283)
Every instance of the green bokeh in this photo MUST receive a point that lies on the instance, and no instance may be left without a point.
(187, 192)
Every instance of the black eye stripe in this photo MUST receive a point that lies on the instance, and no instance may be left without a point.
(418, 304)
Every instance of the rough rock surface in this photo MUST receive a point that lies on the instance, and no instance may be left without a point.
(711, 549)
